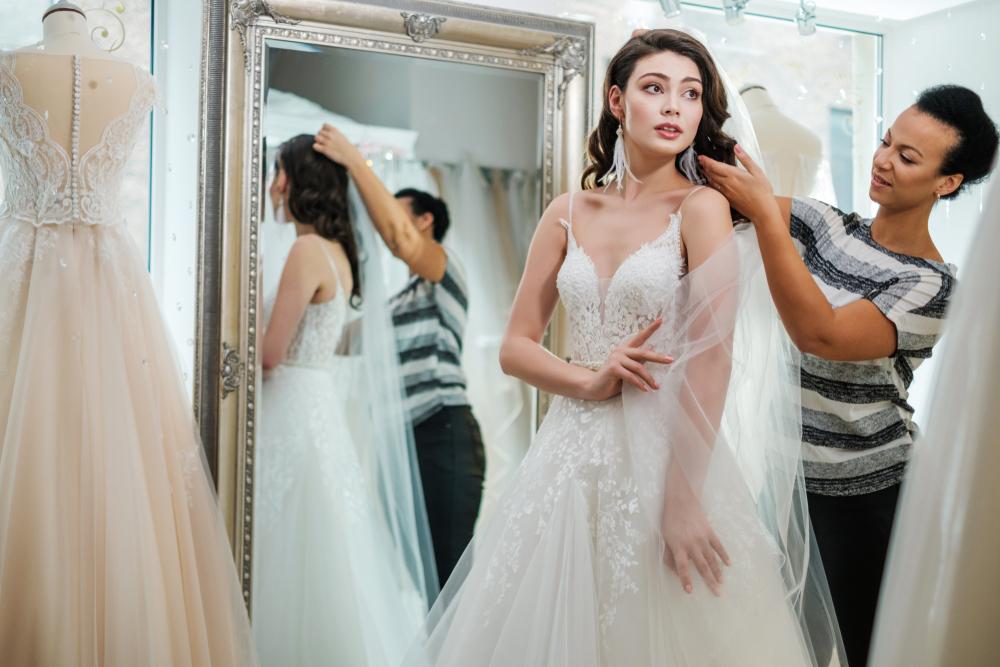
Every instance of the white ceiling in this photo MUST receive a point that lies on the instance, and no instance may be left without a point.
(890, 10)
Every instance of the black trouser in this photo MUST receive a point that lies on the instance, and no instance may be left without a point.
(853, 537)
(452, 465)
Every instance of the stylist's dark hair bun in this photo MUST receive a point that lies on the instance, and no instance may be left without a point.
(974, 154)
(424, 202)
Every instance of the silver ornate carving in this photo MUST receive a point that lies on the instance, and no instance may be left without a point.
(232, 370)
(570, 54)
(243, 13)
(421, 27)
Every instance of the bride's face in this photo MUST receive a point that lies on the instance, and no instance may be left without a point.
(661, 104)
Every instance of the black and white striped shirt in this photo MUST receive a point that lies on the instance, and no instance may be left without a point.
(429, 319)
(857, 426)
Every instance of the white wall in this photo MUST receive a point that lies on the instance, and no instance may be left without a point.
(460, 111)
(173, 237)
(960, 46)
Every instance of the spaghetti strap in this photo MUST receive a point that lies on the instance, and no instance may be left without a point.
(333, 267)
(568, 224)
(688, 195)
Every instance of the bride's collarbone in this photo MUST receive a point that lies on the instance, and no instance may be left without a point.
(615, 229)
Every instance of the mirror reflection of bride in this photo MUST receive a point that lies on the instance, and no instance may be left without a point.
(335, 577)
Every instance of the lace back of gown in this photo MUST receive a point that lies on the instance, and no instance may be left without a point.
(112, 546)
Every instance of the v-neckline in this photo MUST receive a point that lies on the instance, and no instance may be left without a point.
(675, 218)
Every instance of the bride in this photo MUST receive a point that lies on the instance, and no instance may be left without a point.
(337, 575)
(659, 517)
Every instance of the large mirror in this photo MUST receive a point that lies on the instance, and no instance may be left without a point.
(366, 428)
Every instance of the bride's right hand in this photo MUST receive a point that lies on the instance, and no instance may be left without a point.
(626, 364)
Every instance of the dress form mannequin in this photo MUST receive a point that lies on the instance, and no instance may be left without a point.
(100, 453)
(45, 73)
(792, 153)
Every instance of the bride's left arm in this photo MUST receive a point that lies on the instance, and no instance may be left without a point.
(691, 542)
(296, 289)
(855, 332)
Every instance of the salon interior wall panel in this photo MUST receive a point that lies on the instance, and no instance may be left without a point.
(960, 45)
(173, 228)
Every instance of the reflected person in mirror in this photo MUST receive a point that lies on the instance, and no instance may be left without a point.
(329, 585)
(429, 316)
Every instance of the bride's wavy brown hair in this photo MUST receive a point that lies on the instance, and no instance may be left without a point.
(317, 196)
(710, 140)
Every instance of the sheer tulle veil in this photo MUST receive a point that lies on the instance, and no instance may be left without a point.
(726, 320)
(395, 473)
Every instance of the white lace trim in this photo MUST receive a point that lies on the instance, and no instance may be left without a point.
(45, 185)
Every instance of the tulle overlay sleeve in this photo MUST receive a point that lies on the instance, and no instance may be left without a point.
(726, 424)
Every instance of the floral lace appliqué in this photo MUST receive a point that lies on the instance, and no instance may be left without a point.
(580, 456)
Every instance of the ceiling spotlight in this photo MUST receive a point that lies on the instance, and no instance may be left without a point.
(671, 8)
(806, 17)
(734, 10)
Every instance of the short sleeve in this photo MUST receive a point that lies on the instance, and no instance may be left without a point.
(451, 296)
(915, 302)
(810, 221)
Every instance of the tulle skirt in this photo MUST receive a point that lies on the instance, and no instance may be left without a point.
(570, 571)
(112, 546)
(330, 588)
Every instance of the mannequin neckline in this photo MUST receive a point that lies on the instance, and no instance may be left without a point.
(758, 98)
(97, 54)
(64, 32)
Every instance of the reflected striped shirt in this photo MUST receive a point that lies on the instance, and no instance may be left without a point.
(429, 320)
(857, 427)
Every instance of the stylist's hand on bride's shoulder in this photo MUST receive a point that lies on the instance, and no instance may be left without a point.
(626, 363)
(691, 542)
(332, 143)
(747, 190)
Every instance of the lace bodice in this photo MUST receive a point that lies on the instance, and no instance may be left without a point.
(45, 184)
(316, 340)
(605, 311)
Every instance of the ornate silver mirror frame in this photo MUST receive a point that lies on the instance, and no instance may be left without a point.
(558, 50)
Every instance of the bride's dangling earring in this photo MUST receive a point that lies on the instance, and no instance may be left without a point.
(688, 165)
(279, 212)
(619, 164)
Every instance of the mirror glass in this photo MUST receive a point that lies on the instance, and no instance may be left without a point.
(331, 532)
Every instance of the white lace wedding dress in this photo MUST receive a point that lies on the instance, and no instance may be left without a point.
(112, 546)
(330, 587)
(570, 572)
